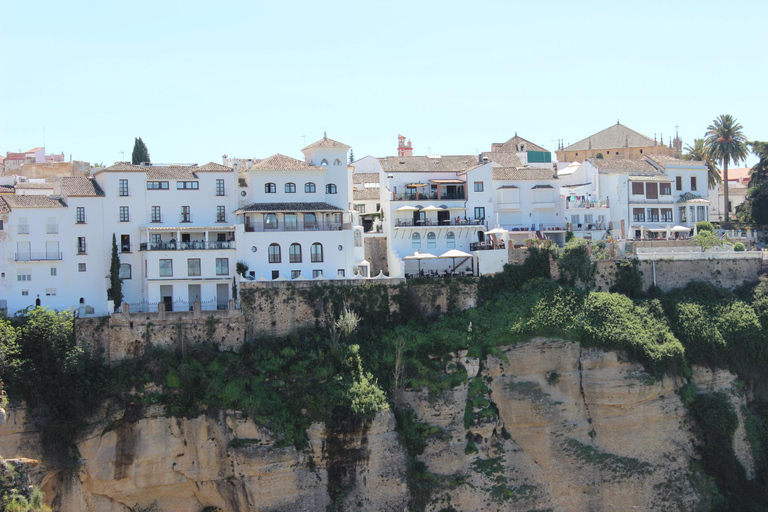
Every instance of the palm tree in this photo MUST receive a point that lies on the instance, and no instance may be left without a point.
(698, 153)
(726, 143)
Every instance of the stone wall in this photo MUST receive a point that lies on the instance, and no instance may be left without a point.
(376, 253)
(677, 273)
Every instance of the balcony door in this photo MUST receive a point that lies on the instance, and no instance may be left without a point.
(24, 250)
(52, 250)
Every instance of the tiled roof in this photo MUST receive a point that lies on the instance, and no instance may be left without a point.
(522, 173)
(366, 194)
(365, 177)
(15, 156)
(623, 166)
(4, 208)
(451, 163)
(740, 173)
(81, 187)
(289, 207)
(33, 150)
(6, 190)
(214, 167)
(278, 162)
(172, 172)
(35, 201)
(27, 185)
(123, 166)
(508, 159)
(512, 144)
(667, 161)
(615, 136)
(690, 197)
(325, 142)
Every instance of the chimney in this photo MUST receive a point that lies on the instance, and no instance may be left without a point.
(403, 148)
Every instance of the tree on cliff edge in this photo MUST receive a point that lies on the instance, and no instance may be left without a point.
(140, 152)
(115, 283)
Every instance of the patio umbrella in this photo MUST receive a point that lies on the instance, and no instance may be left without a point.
(407, 209)
(453, 254)
(431, 208)
(497, 231)
(680, 229)
(418, 256)
(669, 231)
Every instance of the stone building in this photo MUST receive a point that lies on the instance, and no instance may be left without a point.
(619, 142)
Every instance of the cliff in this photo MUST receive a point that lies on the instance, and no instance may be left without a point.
(541, 425)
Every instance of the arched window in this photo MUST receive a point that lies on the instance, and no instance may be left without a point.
(274, 253)
(310, 222)
(270, 188)
(294, 253)
(316, 253)
(270, 221)
(309, 188)
(324, 162)
(358, 238)
(431, 240)
(290, 188)
(337, 162)
(450, 240)
(416, 241)
(330, 188)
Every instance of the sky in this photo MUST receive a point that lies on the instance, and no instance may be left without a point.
(197, 80)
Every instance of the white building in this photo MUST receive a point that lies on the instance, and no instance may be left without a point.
(294, 219)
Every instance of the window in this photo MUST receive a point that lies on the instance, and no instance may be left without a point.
(157, 185)
(479, 213)
(23, 276)
(358, 238)
(638, 215)
(125, 215)
(678, 183)
(125, 243)
(270, 188)
(295, 274)
(291, 224)
(82, 248)
(24, 293)
(310, 221)
(637, 188)
(681, 212)
(274, 253)
(361, 208)
(431, 240)
(652, 214)
(1, 225)
(187, 185)
(53, 271)
(294, 253)
(693, 182)
(337, 162)
(275, 274)
(666, 189)
(156, 216)
(125, 271)
(221, 214)
(478, 186)
(309, 188)
(186, 214)
(80, 216)
(416, 241)
(316, 253)
(220, 187)
(450, 240)
(123, 187)
(324, 162)
(666, 215)
(50, 292)
(166, 268)
(193, 267)
(317, 273)
(81, 267)
(270, 221)
(651, 190)
(290, 188)
(340, 272)
(330, 188)
(157, 238)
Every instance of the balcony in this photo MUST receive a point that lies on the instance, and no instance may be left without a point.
(416, 196)
(320, 225)
(410, 223)
(51, 229)
(587, 205)
(22, 229)
(38, 256)
(186, 246)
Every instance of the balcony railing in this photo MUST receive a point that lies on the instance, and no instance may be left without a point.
(417, 196)
(575, 205)
(51, 229)
(404, 223)
(320, 225)
(186, 246)
(486, 246)
(22, 229)
(38, 256)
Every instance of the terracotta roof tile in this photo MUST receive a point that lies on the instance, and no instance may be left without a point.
(81, 187)
(522, 173)
(366, 194)
(278, 162)
(171, 172)
(615, 136)
(4, 208)
(290, 207)
(450, 163)
(34, 201)
(365, 177)
(214, 167)
(34, 186)
(325, 142)
(623, 166)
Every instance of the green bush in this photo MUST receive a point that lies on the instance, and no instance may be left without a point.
(628, 279)
(739, 247)
(575, 264)
(703, 225)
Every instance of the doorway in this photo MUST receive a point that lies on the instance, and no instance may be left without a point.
(222, 295)
(166, 296)
(194, 294)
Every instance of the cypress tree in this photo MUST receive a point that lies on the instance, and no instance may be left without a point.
(351, 156)
(140, 152)
(116, 284)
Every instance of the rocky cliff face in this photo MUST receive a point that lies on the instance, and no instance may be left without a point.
(548, 426)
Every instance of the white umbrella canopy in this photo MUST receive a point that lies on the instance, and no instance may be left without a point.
(457, 208)
(406, 209)
(453, 254)
(497, 231)
(680, 229)
(418, 256)
(431, 208)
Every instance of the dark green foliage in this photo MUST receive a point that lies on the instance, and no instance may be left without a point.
(140, 152)
(739, 247)
(703, 225)
(620, 467)
(629, 279)
(414, 435)
(575, 264)
(115, 283)
(514, 276)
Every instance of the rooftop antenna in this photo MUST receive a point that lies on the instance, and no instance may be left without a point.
(123, 155)
(304, 138)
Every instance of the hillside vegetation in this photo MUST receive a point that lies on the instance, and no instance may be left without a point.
(353, 364)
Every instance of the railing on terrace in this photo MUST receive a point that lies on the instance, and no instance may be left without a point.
(575, 205)
(696, 254)
(186, 246)
(486, 246)
(179, 305)
(22, 229)
(38, 256)
(405, 196)
(430, 222)
(51, 229)
(320, 225)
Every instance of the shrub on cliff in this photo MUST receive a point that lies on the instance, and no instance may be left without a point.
(575, 264)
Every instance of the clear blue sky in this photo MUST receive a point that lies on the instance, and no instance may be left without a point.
(196, 80)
